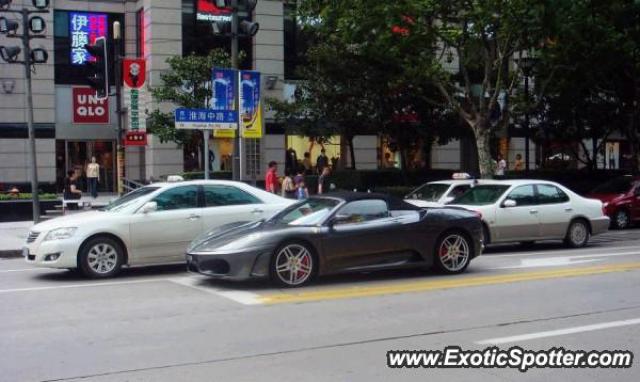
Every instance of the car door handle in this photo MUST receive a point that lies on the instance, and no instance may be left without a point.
(193, 217)
(568, 209)
(257, 211)
(533, 212)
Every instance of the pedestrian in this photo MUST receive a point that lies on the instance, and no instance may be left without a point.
(322, 161)
(93, 177)
(71, 190)
(519, 163)
(501, 166)
(291, 160)
(271, 179)
(323, 181)
(306, 163)
(288, 186)
(301, 191)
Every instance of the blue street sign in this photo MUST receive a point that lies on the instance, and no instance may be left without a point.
(205, 119)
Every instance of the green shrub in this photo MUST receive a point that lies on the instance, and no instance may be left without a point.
(27, 196)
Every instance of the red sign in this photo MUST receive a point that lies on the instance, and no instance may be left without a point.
(134, 138)
(134, 72)
(87, 108)
(209, 6)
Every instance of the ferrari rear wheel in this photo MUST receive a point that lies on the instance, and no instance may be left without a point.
(453, 253)
(293, 265)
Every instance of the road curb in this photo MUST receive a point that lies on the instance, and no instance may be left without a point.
(11, 254)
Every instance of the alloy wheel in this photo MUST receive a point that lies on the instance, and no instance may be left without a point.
(102, 258)
(579, 233)
(454, 252)
(622, 219)
(294, 264)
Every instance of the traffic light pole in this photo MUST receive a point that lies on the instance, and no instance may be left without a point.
(234, 64)
(33, 164)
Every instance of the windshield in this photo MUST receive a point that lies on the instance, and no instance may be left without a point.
(308, 212)
(481, 195)
(620, 185)
(430, 192)
(129, 199)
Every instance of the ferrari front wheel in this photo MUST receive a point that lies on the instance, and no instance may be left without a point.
(293, 265)
(453, 253)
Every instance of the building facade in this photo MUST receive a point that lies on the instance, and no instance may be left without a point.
(69, 133)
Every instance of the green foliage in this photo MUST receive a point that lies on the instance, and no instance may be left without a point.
(187, 83)
(27, 196)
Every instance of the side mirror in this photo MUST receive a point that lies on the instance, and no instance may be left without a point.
(339, 219)
(509, 203)
(149, 207)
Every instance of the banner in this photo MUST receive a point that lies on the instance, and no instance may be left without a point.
(224, 99)
(135, 94)
(250, 105)
(87, 108)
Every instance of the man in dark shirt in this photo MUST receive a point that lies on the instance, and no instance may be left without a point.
(71, 190)
(322, 161)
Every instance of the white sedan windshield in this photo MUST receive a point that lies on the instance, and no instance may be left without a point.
(129, 199)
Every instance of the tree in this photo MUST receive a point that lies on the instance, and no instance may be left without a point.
(187, 83)
(348, 88)
(417, 36)
(596, 50)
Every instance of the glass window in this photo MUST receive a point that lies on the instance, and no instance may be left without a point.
(459, 190)
(481, 195)
(430, 192)
(129, 198)
(178, 198)
(548, 194)
(308, 212)
(523, 195)
(227, 196)
(364, 210)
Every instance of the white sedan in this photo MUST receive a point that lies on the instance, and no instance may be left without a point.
(439, 193)
(530, 210)
(151, 225)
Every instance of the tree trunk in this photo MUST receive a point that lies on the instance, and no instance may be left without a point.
(486, 163)
(352, 152)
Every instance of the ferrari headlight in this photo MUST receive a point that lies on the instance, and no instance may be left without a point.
(61, 233)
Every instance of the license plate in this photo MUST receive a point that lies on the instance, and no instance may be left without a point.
(25, 252)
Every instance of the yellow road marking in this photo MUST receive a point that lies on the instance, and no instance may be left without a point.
(426, 285)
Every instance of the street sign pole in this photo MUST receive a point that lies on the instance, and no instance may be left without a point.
(237, 157)
(205, 134)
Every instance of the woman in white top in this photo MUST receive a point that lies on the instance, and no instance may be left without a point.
(93, 176)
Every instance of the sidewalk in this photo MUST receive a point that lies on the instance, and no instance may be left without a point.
(12, 238)
(14, 234)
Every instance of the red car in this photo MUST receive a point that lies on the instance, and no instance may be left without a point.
(621, 199)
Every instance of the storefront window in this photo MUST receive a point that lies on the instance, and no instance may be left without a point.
(303, 153)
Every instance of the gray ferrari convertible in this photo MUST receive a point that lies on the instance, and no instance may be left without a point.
(343, 232)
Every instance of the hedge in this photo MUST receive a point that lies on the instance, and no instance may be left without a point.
(27, 196)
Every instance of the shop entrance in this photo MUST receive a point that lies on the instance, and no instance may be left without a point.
(75, 155)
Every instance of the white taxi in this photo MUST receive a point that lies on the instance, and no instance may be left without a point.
(441, 192)
(151, 225)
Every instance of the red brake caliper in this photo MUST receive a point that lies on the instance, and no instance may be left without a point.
(305, 262)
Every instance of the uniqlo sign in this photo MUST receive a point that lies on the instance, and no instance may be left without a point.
(87, 108)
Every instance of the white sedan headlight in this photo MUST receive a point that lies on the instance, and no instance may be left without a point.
(60, 233)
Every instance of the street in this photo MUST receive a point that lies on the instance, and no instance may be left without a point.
(163, 324)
